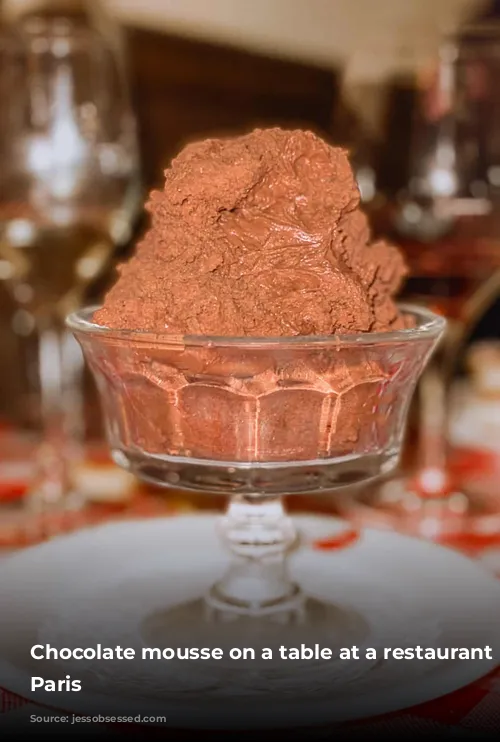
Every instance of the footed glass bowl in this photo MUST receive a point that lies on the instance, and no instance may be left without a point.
(256, 418)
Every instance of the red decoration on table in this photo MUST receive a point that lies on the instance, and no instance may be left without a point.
(337, 541)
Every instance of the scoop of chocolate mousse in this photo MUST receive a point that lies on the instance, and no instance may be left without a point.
(259, 235)
(256, 236)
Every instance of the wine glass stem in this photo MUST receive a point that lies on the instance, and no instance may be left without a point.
(60, 408)
(432, 450)
(258, 535)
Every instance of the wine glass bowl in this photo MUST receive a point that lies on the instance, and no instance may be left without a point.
(69, 164)
(257, 418)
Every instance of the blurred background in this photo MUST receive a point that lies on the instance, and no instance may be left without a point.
(95, 99)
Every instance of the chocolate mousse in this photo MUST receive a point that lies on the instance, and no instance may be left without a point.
(256, 236)
(260, 235)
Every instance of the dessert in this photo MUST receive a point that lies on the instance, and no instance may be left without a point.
(260, 236)
(238, 353)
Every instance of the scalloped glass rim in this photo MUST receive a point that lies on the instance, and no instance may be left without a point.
(429, 325)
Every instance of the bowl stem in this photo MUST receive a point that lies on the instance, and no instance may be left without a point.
(259, 536)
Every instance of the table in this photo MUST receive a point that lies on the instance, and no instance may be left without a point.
(468, 713)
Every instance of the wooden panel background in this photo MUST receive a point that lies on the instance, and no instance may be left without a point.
(185, 89)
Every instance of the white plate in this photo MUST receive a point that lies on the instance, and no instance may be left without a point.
(432, 596)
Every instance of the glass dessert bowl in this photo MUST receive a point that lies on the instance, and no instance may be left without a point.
(256, 418)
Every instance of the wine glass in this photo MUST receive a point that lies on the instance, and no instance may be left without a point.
(69, 192)
(448, 224)
(256, 419)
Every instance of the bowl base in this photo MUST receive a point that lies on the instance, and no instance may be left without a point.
(262, 479)
(300, 623)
